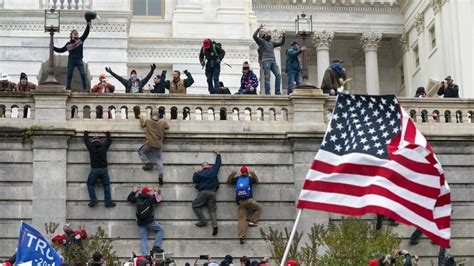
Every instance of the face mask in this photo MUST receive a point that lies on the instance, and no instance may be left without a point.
(268, 38)
(133, 76)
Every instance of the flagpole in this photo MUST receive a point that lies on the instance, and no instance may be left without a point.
(292, 235)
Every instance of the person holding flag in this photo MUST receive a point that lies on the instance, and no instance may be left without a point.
(34, 249)
(372, 159)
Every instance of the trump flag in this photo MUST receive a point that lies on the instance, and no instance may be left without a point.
(373, 160)
(34, 249)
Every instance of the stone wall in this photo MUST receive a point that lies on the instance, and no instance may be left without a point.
(43, 176)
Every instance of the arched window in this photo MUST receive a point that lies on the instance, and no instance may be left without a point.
(99, 112)
(87, 112)
(26, 111)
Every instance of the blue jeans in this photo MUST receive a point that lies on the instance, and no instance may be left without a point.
(92, 179)
(293, 76)
(144, 230)
(71, 64)
(212, 74)
(271, 65)
(145, 149)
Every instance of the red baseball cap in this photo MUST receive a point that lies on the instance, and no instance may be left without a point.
(145, 190)
(206, 44)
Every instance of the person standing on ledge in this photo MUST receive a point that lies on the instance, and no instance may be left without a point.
(133, 84)
(98, 158)
(207, 184)
(448, 88)
(210, 57)
(154, 135)
(267, 57)
(293, 66)
(75, 49)
(179, 85)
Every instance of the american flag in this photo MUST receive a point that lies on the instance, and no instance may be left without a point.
(373, 160)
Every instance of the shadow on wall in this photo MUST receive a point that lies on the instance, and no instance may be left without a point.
(60, 71)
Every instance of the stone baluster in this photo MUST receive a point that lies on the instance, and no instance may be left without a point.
(370, 41)
(322, 42)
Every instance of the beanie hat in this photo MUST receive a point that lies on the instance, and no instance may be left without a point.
(206, 44)
(95, 139)
(291, 263)
(245, 65)
(373, 263)
(294, 42)
(67, 228)
(23, 76)
(145, 190)
(244, 170)
(133, 71)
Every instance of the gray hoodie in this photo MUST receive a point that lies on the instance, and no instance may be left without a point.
(265, 47)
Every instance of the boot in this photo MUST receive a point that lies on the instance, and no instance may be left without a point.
(148, 166)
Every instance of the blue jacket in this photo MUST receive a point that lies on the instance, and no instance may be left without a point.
(206, 179)
(292, 61)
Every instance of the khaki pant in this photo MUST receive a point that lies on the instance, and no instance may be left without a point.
(244, 207)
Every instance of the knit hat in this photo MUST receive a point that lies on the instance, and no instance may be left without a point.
(95, 139)
(337, 60)
(67, 228)
(244, 170)
(146, 190)
(23, 76)
(291, 263)
(245, 65)
(133, 71)
(294, 42)
(206, 44)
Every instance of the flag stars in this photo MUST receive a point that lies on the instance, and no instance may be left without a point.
(380, 151)
(360, 133)
(371, 105)
(345, 114)
(388, 114)
(366, 147)
(339, 126)
(384, 101)
(392, 108)
(338, 148)
(363, 140)
(376, 113)
(377, 145)
(343, 135)
(374, 138)
(396, 129)
(371, 131)
(335, 117)
(333, 138)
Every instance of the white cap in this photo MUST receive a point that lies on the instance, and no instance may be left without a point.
(4, 77)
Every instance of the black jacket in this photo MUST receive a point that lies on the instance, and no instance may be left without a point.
(127, 83)
(452, 91)
(162, 86)
(150, 201)
(213, 55)
(98, 152)
(75, 47)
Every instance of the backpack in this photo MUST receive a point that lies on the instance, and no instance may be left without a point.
(243, 190)
(144, 210)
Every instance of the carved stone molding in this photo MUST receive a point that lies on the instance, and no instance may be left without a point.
(322, 40)
(371, 40)
(181, 53)
(39, 26)
(404, 42)
(419, 22)
(436, 5)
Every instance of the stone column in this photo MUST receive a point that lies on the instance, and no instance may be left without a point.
(405, 46)
(322, 41)
(370, 41)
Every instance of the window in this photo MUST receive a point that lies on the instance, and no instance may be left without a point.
(416, 52)
(147, 8)
(432, 37)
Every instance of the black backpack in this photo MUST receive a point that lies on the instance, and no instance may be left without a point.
(144, 210)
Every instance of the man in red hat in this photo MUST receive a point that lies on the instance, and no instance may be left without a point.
(211, 56)
(145, 202)
(244, 198)
(133, 84)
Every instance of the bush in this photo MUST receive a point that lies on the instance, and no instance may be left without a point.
(350, 242)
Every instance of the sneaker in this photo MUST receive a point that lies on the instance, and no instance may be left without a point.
(148, 166)
(214, 231)
(200, 224)
(110, 205)
(160, 180)
(157, 249)
(92, 203)
(252, 224)
(242, 241)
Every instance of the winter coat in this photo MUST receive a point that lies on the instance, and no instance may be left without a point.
(149, 201)
(7, 86)
(160, 87)
(206, 179)
(292, 60)
(330, 81)
(75, 47)
(154, 132)
(452, 91)
(265, 48)
(180, 86)
(213, 55)
(98, 88)
(127, 83)
(248, 81)
(98, 151)
(28, 87)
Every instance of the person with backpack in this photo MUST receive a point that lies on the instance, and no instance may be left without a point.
(266, 55)
(244, 198)
(145, 202)
(210, 56)
(207, 184)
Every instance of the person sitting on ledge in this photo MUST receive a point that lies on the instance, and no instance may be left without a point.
(24, 85)
(248, 81)
(103, 86)
(133, 84)
(178, 85)
(159, 85)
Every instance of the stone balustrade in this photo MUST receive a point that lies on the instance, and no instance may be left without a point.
(67, 4)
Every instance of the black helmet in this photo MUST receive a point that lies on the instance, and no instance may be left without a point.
(90, 15)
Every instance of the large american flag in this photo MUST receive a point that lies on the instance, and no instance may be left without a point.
(373, 160)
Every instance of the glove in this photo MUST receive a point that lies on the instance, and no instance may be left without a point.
(185, 71)
(163, 72)
(153, 66)
(108, 69)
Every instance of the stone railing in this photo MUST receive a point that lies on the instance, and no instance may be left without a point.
(66, 4)
(17, 106)
(330, 2)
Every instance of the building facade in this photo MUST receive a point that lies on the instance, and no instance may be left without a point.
(388, 46)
